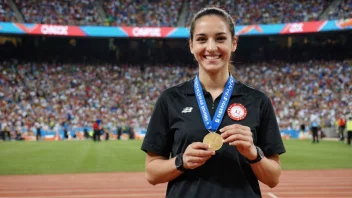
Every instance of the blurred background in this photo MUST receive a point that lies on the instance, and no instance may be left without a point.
(72, 69)
(79, 80)
(65, 65)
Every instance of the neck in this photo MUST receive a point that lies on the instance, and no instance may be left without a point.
(213, 82)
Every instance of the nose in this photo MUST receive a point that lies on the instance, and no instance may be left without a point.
(211, 45)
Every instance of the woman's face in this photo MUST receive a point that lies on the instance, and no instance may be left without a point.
(212, 43)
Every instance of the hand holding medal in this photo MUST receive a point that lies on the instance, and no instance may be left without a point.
(241, 137)
(196, 155)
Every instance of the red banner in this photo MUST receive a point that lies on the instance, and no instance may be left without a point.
(148, 31)
(58, 30)
(292, 28)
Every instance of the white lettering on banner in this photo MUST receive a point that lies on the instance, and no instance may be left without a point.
(296, 27)
(54, 29)
(145, 32)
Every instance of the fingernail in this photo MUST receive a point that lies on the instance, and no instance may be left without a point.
(221, 130)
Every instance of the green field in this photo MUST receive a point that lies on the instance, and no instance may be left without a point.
(121, 156)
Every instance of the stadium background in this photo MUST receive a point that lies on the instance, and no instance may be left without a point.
(67, 82)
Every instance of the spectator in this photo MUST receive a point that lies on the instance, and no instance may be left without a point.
(314, 127)
(349, 130)
(341, 124)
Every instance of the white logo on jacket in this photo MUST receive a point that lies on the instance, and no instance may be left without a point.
(187, 110)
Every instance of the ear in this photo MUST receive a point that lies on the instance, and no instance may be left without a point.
(234, 44)
(190, 45)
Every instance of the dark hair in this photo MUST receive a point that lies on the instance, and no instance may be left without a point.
(217, 12)
(213, 11)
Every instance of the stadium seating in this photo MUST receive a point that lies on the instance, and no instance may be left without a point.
(142, 13)
(343, 11)
(167, 13)
(6, 14)
(47, 94)
(247, 12)
(122, 95)
(74, 12)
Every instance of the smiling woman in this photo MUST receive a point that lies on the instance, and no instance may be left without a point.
(212, 42)
(213, 154)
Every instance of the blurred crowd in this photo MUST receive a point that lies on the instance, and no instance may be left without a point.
(300, 90)
(167, 13)
(50, 94)
(152, 13)
(247, 12)
(73, 12)
(343, 11)
(6, 13)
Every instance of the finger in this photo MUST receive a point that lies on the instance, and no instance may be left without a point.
(234, 126)
(230, 132)
(200, 153)
(236, 137)
(241, 143)
(199, 145)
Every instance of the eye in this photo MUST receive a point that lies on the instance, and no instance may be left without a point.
(221, 39)
(201, 39)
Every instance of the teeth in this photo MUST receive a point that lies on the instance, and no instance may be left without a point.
(212, 57)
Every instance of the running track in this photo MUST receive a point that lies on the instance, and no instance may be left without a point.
(293, 184)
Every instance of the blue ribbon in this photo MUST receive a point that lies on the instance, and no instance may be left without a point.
(213, 125)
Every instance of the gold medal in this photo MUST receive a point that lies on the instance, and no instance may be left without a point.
(213, 140)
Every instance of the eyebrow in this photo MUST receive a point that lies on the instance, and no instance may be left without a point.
(202, 34)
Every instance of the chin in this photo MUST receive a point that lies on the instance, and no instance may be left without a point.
(213, 67)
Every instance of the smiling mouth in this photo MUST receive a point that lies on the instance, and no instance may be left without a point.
(212, 57)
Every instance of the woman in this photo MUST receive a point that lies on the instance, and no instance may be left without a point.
(213, 136)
